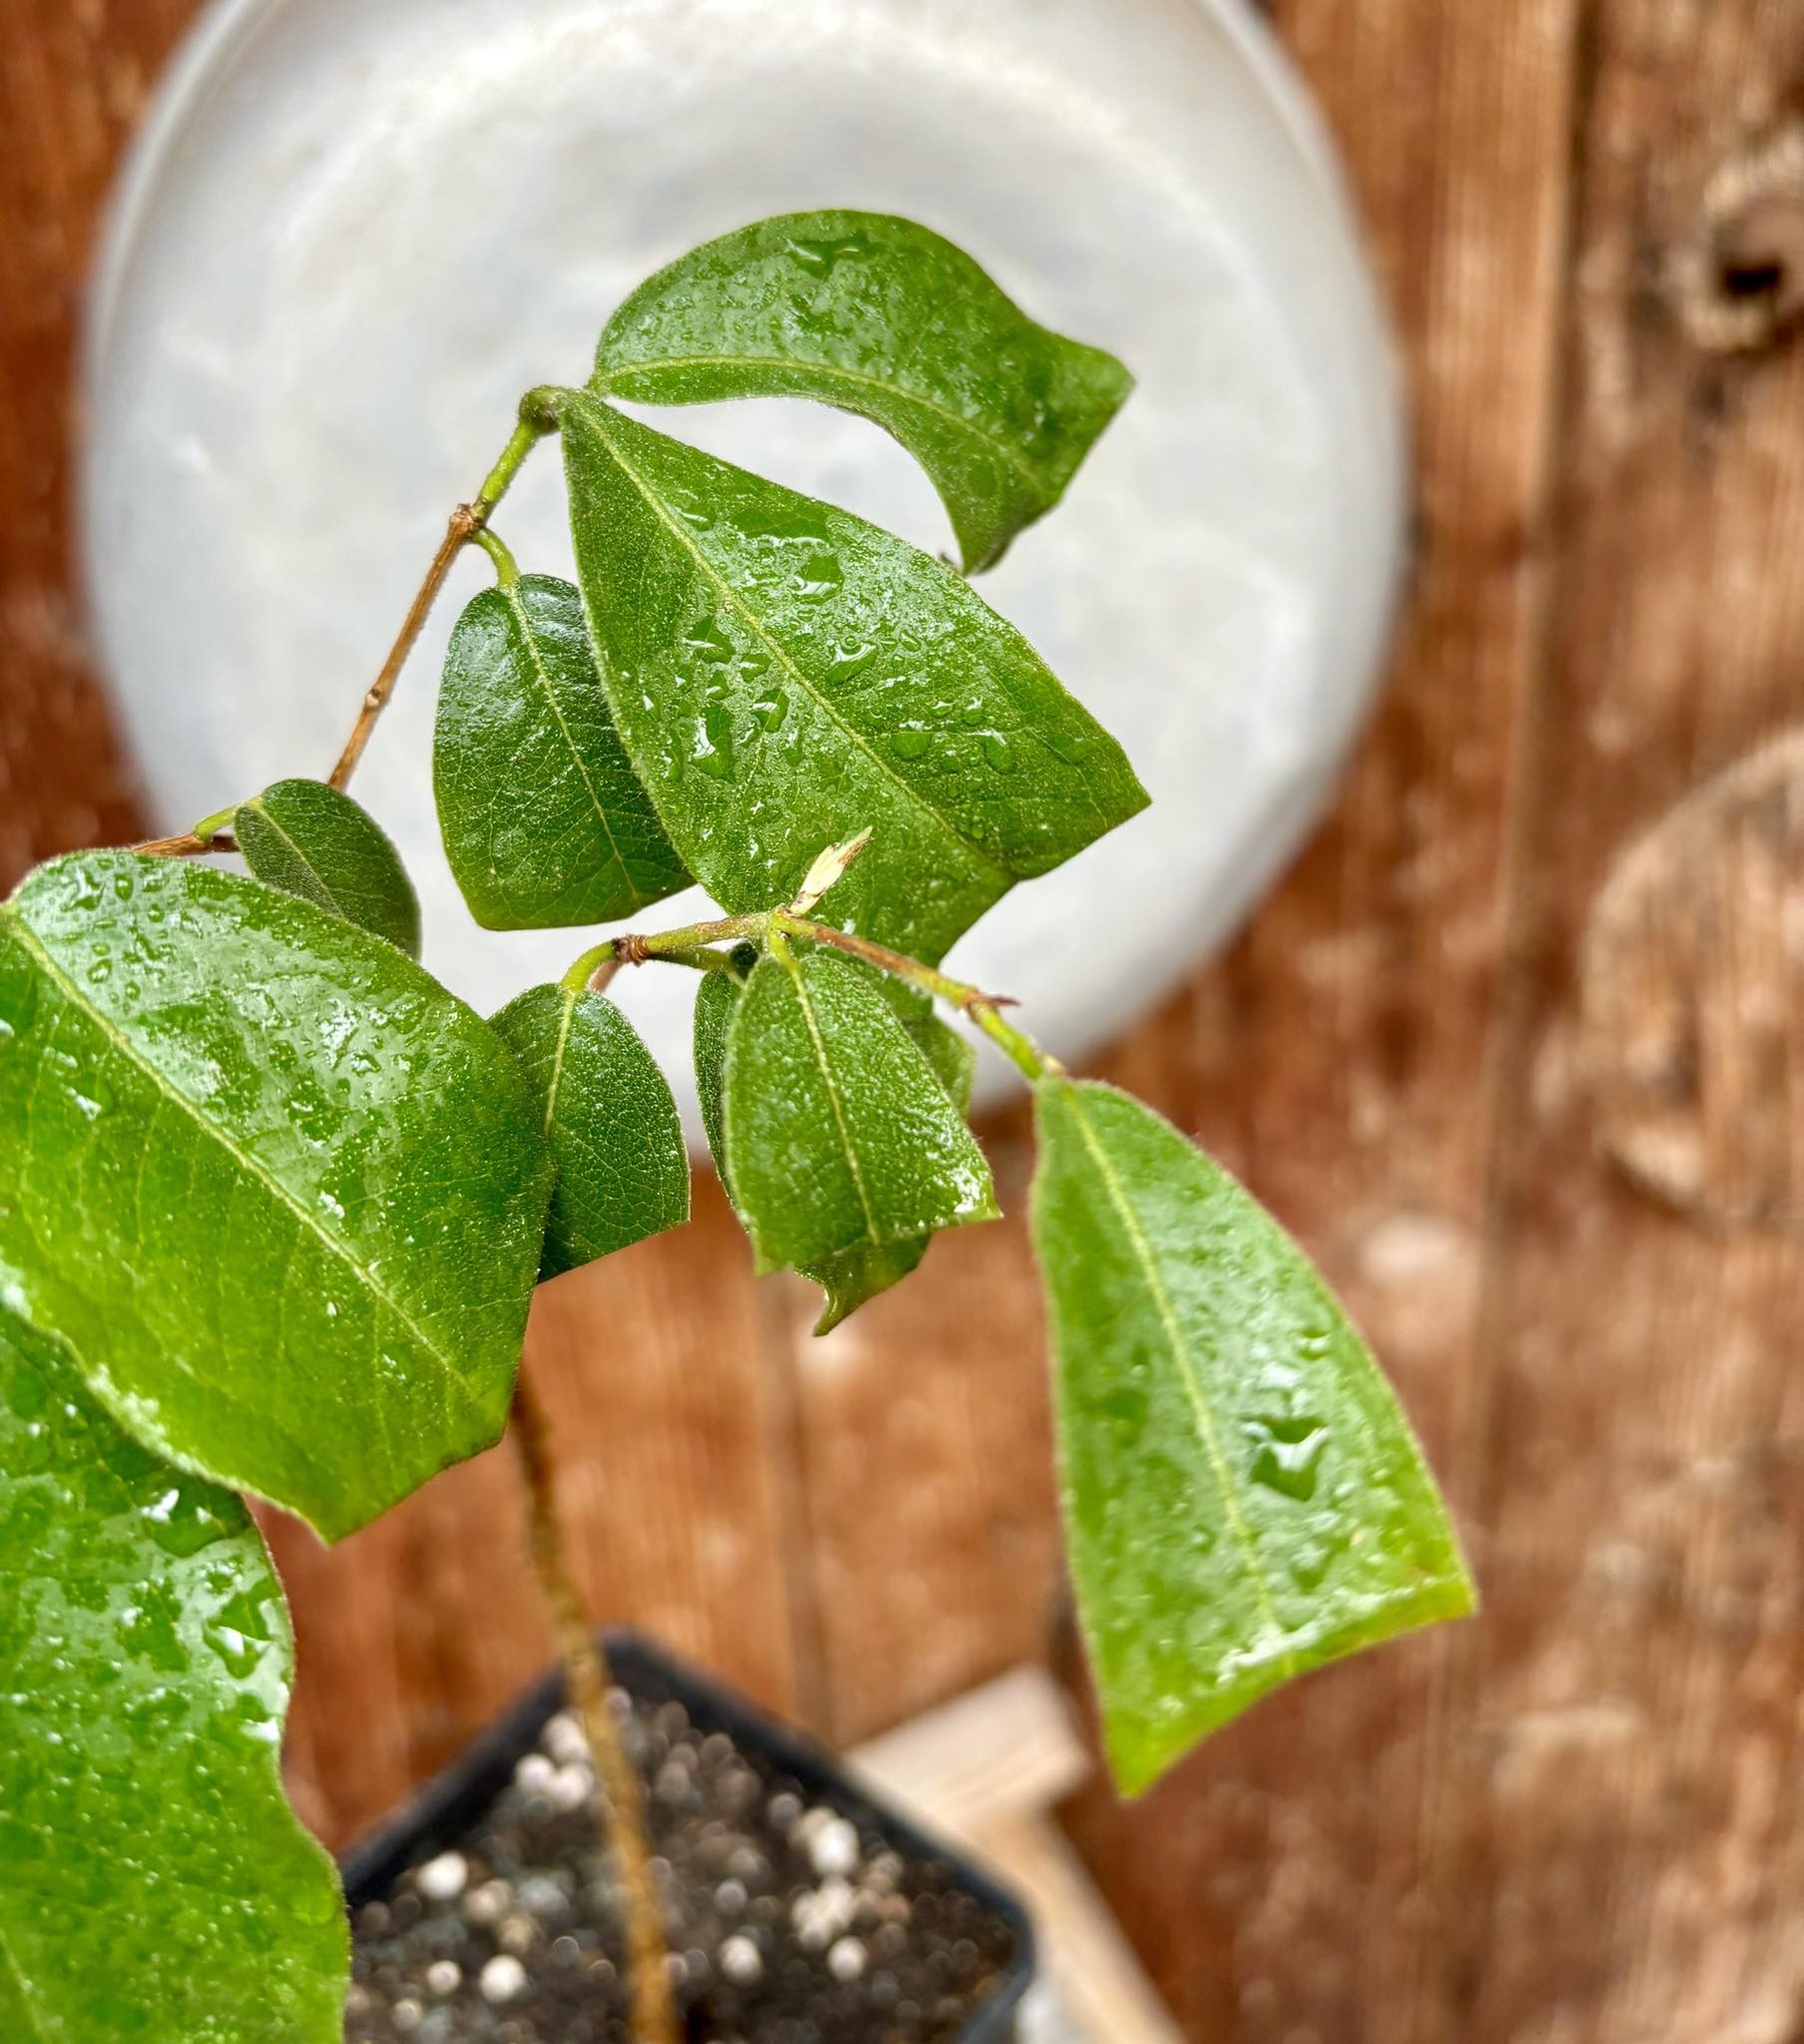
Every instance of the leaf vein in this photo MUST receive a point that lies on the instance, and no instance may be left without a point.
(1181, 1350)
(1011, 456)
(781, 654)
(252, 1168)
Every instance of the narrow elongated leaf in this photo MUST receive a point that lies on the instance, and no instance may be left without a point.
(308, 840)
(1244, 1498)
(784, 675)
(544, 820)
(882, 318)
(609, 1120)
(157, 1887)
(838, 1136)
(281, 1194)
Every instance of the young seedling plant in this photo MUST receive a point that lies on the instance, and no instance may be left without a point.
(273, 1203)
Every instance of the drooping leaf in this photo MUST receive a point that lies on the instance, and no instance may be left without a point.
(609, 1120)
(154, 1883)
(1244, 1498)
(544, 820)
(882, 318)
(837, 1134)
(855, 1276)
(280, 1195)
(784, 675)
(717, 998)
(308, 840)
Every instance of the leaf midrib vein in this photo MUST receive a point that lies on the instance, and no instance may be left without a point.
(27, 1997)
(557, 1064)
(514, 602)
(781, 654)
(1206, 1420)
(331, 900)
(820, 1057)
(251, 1167)
(836, 371)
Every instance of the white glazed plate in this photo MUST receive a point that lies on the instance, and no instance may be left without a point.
(352, 235)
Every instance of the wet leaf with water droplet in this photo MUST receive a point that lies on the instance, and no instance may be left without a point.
(609, 1120)
(699, 628)
(854, 1276)
(882, 318)
(1243, 1497)
(838, 1135)
(544, 820)
(308, 840)
(717, 999)
(143, 1686)
(233, 1175)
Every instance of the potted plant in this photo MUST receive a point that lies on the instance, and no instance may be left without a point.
(272, 1206)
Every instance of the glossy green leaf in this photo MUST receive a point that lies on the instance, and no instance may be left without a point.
(609, 1120)
(855, 1276)
(1244, 1498)
(154, 1885)
(544, 820)
(717, 999)
(952, 1055)
(881, 317)
(308, 840)
(785, 676)
(837, 1134)
(279, 1191)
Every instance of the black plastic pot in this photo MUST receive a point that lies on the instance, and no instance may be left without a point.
(447, 1808)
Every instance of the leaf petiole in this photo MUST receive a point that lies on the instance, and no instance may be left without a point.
(507, 569)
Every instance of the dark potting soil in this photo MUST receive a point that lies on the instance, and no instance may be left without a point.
(789, 1921)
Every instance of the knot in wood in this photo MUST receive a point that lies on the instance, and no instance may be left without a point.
(1741, 285)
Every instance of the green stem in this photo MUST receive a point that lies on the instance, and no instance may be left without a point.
(690, 946)
(507, 569)
(636, 950)
(591, 962)
(540, 410)
(214, 825)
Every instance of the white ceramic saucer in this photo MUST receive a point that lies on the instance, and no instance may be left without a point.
(351, 235)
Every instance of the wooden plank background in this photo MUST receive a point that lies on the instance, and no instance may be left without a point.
(1473, 1002)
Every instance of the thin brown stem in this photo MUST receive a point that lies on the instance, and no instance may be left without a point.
(586, 1680)
(539, 411)
(466, 521)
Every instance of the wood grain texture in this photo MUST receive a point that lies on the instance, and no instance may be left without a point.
(1623, 1822)
(1345, 1057)
(1577, 1819)
(1691, 998)
(73, 79)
